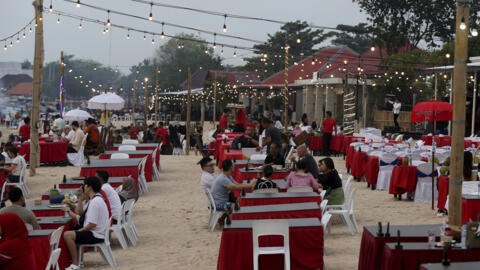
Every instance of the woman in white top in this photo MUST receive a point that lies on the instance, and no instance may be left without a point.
(15, 168)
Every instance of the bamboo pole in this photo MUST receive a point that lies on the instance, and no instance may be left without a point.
(458, 121)
(145, 110)
(285, 94)
(156, 96)
(214, 102)
(37, 86)
(134, 98)
(189, 108)
(62, 96)
(474, 105)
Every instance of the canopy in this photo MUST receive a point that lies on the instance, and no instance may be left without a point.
(431, 111)
(77, 115)
(106, 101)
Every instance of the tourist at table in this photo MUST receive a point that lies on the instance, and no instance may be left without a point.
(134, 131)
(117, 138)
(240, 118)
(76, 142)
(274, 156)
(24, 131)
(15, 167)
(93, 137)
(93, 221)
(272, 134)
(67, 133)
(208, 168)
(303, 154)
(223, 185)
(301, 178)
(161, 134)
(286, 146)
(328, 126)
(330, 181)
(304, 124)
(467, 166)
(58, 123)
(223, 124)
(266, 180)
(110, 195)
(47, 131)
(15, 195)
(15, 249)
(129, 190)
(247, 140)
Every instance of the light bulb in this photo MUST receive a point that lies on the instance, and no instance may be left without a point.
(447, 55)
(299, 40)
(50, 8)
(372, 48)
(18, 40)
(128, 36)
(108, 22)
(78, 3)
(144, 37)
(224, 28)
(58, 20)
(80, 26)
(5, 47)
(474, 32)
(30, 30)
(150, 17)
(153, 41)
(463, 26)
(24, 36)
(11, 44)
(162, 35)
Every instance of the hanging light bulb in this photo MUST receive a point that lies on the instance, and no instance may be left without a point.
(150, 16)
(221, 52)
(51, 7)
(80, 25)
(162, 35)
(225, 23)
(144, 36)
(128, 34)
(214, 41)
(153, 39)
(299, 40)
(235, 52)
(58, 20)
(24, 36)
(11, 44)
(18, 39)
(474, 32)
(108, 18)
(30, 30)
(5, 47)
(78, 3)
(463, 26)
(447, 55)
(372, 48)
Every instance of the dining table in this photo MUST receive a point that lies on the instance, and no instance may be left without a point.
(75, 183)
(278, 211)
(117, 167)
(252, 199)
(252, 173)
(40, 243)
(451, 266)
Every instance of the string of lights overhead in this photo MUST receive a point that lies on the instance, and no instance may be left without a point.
(22, 32)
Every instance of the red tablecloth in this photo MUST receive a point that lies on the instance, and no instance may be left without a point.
(279, 215)
(371, 170)
(336, 144)
(117, 171)
(250, 175)
(148, 165)
(269, 201)
(349, 157)
(222, 147)
(347, 140)
(41, 247)
(306, 250)
(470, 210)
(139, 148)
(440, 140)
(404, 178)
(230, 154)
(442, 192)
(49, 151)
(394, 259)
(359, 162)
(49, 213)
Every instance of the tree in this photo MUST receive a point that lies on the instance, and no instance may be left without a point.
(274, 48)
(357, 37)
(397, 23)
(27, 65)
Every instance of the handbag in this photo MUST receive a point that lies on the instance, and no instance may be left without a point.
(301, 138)
(473, 241)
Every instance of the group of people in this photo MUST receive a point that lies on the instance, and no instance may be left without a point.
(97, 203)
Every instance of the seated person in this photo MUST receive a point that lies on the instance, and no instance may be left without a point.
(93, 138)
(16, 251)
(274, 156)
(330, 181)
(117, 138)
(266, 180)
(312, 168)
(15, 195)
(68, 133)
(129, 190)
(224, 183)
(301, 178)
(76, 142)
(110, 195)
(15, 167)
(208, 168)
(247, 140)
(94, 221)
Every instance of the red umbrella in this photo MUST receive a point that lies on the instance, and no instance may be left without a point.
(431, 111)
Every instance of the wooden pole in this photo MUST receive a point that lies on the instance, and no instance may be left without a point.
(156, 96)
(37, 87)
(285, 94)
(458, 123)
(134, 98)
(214, 103)
(474, 105)
(62, 94)
(145, 110)
(189, 108)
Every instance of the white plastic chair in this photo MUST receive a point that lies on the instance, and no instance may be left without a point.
(325, 222)
(271, 227)
(156, 172)
(103, 247)
(53, 260)
(127, 147)
(21, 182)
(300, 189)
(119, 156)
(347, 185)
(266, 190)
(399, 138)
(55, 238)
(423, 191)
(258, 157)
(129, 141)
(214, 213)
(129, 226)
(78, 159)
(347, 213)
(387, 163)
(323, 206)
(322, 194)
(142, 180)
(118, 228)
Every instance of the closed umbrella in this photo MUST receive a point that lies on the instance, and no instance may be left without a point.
(77, 115)
(432, 111)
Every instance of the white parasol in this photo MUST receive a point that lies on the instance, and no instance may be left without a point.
(77, 115)
(107, 101)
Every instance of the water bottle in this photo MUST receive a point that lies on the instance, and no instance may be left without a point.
(478, 189)
(464, 236)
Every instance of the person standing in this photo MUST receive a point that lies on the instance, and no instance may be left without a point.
(240, 120)
(272, 134)
(397, 106)
(24, 131)
(93, 138)
(328, 125)
(223, 124)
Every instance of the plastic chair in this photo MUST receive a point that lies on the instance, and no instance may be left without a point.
(21, 182)
(266, 190)
(271, 227)
(387, 163)
(78, 159)
(117, 229)
(323, 206)
(325, 222)
(127, 147)
(142, 181)
(119, 156)
(214, 213)
(53, 260)
(300, 189)
(322, 194)
(347, 213)
(399, 138)
(129, 226)
(55, 238)
(156, 172)
(103, 247)
(423, 190)
(347, 185)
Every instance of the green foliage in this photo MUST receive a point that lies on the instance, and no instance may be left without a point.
(274, 48)
(356, 37)
(27, 65)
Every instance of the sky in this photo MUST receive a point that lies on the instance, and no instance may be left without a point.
(115, 50)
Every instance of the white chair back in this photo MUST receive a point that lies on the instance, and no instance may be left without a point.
(387, 161)
(55, 238)
(300, 189)
(127, 147)
(129, 141)
(347, 185)
(119, 156)
(325, 221)
(53, 260)
(323, 206)
(322, 194)
(271, 227)
(266, 190)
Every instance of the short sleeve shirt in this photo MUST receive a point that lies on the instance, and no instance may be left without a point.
(18, 168)
(274, 133)
(24, 132)
(97, 213)
(328, 125)
(219, 189)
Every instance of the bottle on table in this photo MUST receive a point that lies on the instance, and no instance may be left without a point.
(464, 236)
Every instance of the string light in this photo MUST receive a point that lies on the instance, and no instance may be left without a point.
(372, 48)
(24, 35)
(299, 40)
(150, 16)
(214, 41)
(144, 36)
(51, 6)
(447, 55)
(11, 44)
(153, 39)
(128, 34)
(163, 34)
(30, 30)
(5, 47)
(221, 52)
(58, 20)
(80, 25)
(474, 32)
(18, 39)
(225, 23)
(78, 3)
(235, 52)
(463, 26)
(108, 18)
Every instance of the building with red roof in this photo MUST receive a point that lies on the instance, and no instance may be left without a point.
(21, 89)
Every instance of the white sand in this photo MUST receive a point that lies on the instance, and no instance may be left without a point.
(171, 220)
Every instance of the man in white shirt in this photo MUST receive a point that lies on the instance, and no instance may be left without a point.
(59, 123)
(208, 168)
(95, 221)
(396, 112)
(112, 195)
(77, 139)
(68, 133)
